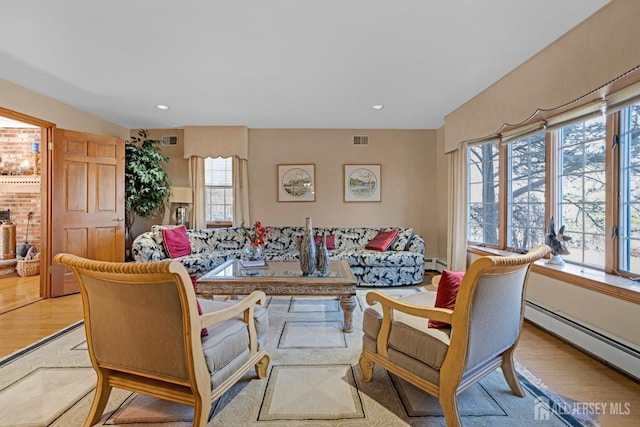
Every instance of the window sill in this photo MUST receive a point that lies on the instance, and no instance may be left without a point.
(584, 277)
(220, 224)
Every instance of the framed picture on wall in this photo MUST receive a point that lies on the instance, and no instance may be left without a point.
(361, 183)
(296, 183)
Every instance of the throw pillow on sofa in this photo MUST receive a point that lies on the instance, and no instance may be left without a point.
(382, 241)
(331, 241)
(176, 241)
(447, 293)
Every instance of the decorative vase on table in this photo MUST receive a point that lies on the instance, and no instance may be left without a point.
(307, 250)
(252, 253)
(322, 264)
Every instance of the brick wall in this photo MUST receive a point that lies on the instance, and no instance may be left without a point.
(15, 148)
(21, 204)
(16, 157)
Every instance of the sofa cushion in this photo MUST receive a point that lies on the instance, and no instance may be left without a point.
(283, 238)
(389, 259)
(354, 238)
(216, 239)
(402, 241)
(382, 240)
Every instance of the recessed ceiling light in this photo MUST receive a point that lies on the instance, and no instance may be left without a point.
(162, 107)
(377, 107)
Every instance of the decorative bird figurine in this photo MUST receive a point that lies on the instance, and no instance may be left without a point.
(557, 243)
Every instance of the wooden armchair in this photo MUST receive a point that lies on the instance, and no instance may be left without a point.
(485, 329)
(144, 334)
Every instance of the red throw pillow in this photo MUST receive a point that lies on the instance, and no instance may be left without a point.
(382, 241)
(203, 332)
(447, 294)
(331, 241)
(176, 241)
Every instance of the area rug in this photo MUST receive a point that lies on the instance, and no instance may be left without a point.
(314, 380)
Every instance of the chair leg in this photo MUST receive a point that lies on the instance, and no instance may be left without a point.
(103, 390)
(366, 367)
(509, 371)
(449, 403)
(201, 414)
(262, 367)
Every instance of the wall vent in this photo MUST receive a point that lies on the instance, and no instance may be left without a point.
(170, 140)
(360, 140)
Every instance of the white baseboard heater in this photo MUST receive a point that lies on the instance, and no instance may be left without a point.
(609, 349)
(434, 264)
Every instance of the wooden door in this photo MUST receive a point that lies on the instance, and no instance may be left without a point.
(87, 203)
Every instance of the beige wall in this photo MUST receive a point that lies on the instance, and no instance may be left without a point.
(25, 101)
(596, 51)
(408, 165)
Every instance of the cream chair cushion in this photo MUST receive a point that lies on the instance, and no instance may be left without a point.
(411, 343)
(226, 347)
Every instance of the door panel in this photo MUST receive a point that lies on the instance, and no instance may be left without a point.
(88, 201)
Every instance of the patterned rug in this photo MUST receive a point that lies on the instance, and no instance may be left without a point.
(314, 380)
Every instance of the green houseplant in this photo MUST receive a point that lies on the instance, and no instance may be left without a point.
(146, 182)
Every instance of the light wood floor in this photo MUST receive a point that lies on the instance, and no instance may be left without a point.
(562, 368)
(16, 291)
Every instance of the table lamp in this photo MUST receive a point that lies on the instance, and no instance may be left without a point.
(181, 196)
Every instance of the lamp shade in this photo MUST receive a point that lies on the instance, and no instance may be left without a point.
(181, 195)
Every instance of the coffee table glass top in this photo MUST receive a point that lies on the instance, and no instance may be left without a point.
(275, 269)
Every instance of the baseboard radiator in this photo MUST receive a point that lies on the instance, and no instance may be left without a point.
(434, 264)
(609, 349)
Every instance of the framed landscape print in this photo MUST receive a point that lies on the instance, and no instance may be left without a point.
(361, 183)
(296, 183)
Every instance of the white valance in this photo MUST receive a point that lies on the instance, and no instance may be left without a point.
(216, 141)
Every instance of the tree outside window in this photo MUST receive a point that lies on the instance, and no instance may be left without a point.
(482, 192)
(582, 185)
(526, 179)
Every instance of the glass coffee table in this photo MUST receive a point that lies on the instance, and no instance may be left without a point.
(283, 278)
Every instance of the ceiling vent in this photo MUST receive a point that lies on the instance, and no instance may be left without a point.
(360, 140)
(170, 140)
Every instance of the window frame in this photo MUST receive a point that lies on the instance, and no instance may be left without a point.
(612, 197)
(225, 222)
(508, 186)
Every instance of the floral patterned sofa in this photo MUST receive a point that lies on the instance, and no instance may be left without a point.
(401, 264)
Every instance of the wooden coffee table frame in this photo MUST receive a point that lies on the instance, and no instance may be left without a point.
(343, 287)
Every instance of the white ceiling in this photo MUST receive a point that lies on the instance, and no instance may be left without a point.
(276, 63)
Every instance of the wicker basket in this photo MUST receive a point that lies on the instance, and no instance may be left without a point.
(28, 267)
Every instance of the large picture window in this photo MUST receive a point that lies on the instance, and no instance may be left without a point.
(583, 171)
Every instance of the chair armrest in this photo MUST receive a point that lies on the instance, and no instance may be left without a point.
(245, 305)
(388, 304)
